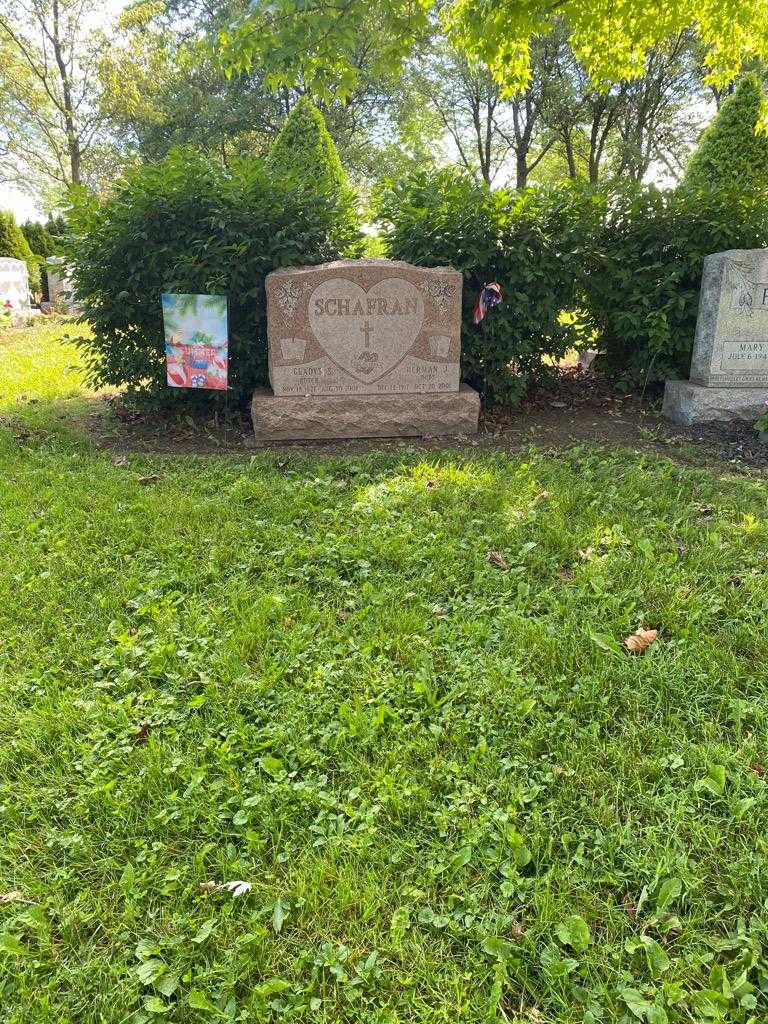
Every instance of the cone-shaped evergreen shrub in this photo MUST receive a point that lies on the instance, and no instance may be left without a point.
(730, 151)
(14, 244)
(36, 234)
(42, 245)
(305, 152)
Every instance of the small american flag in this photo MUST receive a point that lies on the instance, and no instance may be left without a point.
(490, 296)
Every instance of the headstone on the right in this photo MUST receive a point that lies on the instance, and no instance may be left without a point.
(59, 282)
(729, 367)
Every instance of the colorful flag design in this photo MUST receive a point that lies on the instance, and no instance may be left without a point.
(196, 341)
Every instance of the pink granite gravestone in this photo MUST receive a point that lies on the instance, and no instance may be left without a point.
(364, 348)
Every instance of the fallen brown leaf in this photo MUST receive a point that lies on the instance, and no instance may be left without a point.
(758, 769)
(541, 496)
(497, 558)
(640, 640)
(208, 886)
(439, 611)
(150, 479)
(629, 906)
(15, 896)
(517, 931)
(143, 734)
(587, 554)
(565, 572)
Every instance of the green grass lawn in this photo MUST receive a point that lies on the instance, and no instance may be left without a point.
(454, 796)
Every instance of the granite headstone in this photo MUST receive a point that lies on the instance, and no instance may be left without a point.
(364, 348)
(14, 287)
(729, 366)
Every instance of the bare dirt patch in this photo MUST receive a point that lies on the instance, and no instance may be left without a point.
(579, 407)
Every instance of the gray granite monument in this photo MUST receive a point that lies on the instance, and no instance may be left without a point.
(364, 348)
(729, 367)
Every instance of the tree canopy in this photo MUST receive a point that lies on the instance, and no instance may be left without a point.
(315, 38)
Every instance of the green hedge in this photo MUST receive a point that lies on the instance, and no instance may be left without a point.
(641, 271)
(618, 269)
(522, 240)
(187, 225)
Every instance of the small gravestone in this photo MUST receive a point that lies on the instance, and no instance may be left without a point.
(14, 288)
(59, 281)
(729, 368)
(364, 348)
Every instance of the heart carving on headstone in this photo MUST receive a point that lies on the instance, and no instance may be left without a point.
(366, 333)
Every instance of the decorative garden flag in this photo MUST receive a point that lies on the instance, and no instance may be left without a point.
(196, 340)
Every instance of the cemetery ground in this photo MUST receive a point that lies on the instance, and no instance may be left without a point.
(387, 693)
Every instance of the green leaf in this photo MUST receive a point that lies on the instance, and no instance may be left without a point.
(713, 782)
(605, 642)
(461, 858)
(148, 971)
(167, 984)
(279, 915)
(710, 1003)
(271, 987)
(401, 922)
(670, 891)
(555, 964)
(636, 1002)
(11, 945)
(156, 1005)
(272, 766)
(501, 949)
(574, 932)
(656, 1015)
(199, 1001)
(204, 932)
(655, 954)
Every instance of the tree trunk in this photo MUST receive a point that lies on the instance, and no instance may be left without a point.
(569, 155)
(73, 142)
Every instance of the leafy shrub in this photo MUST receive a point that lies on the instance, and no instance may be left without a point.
(641, 271)
(186, 225)
(13, 244)
(525, 241)
(305, 152)
(731, 152)
(624, 262)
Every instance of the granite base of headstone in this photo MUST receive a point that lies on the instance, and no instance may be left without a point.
(729, 367)
(364, 348)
